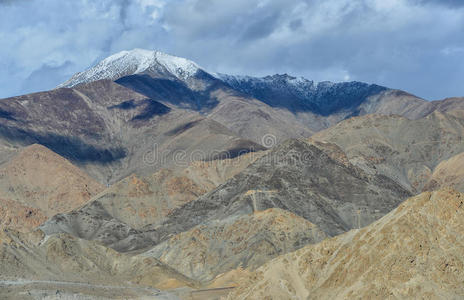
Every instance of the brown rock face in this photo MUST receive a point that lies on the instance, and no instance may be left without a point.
(416, 251)
(38, 183)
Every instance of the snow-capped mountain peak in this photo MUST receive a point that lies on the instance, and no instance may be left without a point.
(136, 61)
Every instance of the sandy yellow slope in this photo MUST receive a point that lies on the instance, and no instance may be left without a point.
(449, 173)
(416, 251)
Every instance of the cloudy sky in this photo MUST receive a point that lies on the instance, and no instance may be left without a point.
(414, 45)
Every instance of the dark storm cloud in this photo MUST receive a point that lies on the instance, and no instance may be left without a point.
(416, 45)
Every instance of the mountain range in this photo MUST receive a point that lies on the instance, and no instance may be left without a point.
(148, 176)
(108, 117)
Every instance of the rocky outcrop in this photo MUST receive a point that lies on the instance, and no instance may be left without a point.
(416, 251)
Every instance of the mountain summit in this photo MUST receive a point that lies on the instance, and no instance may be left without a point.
(136, 61)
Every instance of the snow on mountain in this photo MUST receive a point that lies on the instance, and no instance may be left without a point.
(293, 93)
(300, 94)
(300, 85)
(136, 61)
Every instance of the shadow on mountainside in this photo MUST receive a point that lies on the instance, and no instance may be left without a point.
(71, 148)
(170, 91)
(150, 109)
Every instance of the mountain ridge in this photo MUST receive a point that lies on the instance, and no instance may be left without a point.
(316, 106)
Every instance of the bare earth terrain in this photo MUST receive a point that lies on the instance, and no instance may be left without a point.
(147, 177)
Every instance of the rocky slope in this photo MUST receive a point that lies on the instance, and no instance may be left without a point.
(117, 216)
(19, 216)
(248, 241)
(279, 179)
(407, 151)
(38, 183)
(449, 173)
(293, 176)
(43, 179)
(416, 251)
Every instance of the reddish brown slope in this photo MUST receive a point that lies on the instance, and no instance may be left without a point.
(38, 183)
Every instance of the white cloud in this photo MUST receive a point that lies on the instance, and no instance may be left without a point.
(453, 50)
